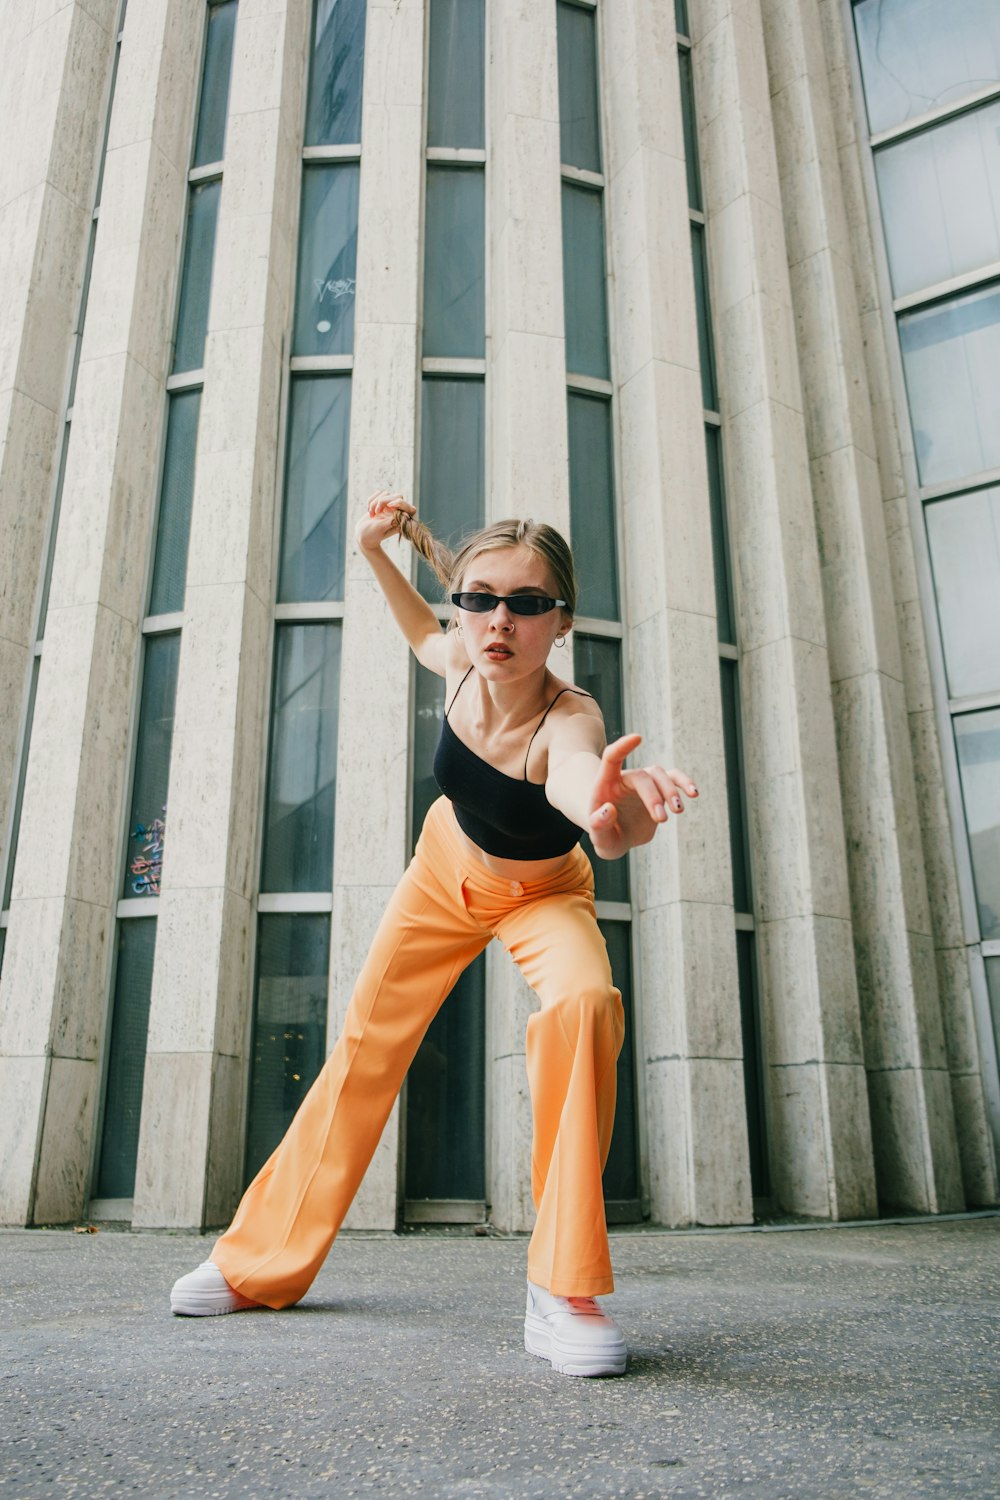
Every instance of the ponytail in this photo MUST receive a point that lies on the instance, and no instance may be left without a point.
(438, 557)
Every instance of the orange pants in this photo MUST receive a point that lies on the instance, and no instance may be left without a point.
(444, 912)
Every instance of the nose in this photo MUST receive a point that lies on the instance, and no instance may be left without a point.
(501, 618)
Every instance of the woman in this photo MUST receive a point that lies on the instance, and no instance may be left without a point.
(523, 767)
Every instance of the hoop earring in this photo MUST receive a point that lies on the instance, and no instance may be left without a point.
(560, 641)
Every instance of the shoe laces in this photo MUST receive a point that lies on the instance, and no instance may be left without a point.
(584, 1305)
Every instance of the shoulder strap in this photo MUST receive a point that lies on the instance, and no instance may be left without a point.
(580, 694)
(454, 695)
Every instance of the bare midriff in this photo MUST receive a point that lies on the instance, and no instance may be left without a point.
(524, 871)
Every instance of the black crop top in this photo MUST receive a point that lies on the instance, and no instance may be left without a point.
(505, 817)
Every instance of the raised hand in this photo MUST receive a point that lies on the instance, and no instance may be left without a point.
(379, 519)
(627, 807)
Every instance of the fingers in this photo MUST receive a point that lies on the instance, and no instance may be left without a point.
(384, 500)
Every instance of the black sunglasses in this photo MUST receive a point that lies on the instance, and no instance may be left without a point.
(518, 604)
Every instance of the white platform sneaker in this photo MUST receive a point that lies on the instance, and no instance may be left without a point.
(206, 1293)
(573, 1334)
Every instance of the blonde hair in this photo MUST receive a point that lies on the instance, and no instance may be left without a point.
(450, 567)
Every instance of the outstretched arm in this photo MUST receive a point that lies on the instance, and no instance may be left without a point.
(588, 782)
(412, 613)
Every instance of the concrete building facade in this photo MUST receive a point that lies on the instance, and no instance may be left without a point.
(712, 286)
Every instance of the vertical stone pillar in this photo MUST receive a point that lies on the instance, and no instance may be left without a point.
(918, 1013)
(527, 457)
(53, 81)
(814, 1065)
(688, 991)
(190, 1145)
(54, 994)
(909, 1092)
(373, 830)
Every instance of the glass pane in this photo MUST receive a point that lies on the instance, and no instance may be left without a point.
(681, 12)
(706, 348)
(592, 505)
(196, 276)
(289, 1030)
(690, 130)
(456, 70)
(583, 279)
(951, 355)
(446, 1098)
(720, 543)
(731, 732)
(314, 523)
(919, 54)
(144, 852)
(22, 772)
(621, 1175)
(302, 774)
(210, 141)
(940, 194)
(452, 466)
(126, 1058)
(746, 966)
(428, 715)
(454, 312)
(173, 526)
(597, 667)
(335, 74)
(964, 536)
(579, 128)
(977, 738)
(993, 986)
(328, 251)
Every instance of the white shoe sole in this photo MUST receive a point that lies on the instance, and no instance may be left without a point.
(567, 1360)
(192, 1303)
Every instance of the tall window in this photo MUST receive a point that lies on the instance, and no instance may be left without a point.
(729, 651)
(931, 75)
(147, 814)
(445, 1171)
(597, 634)
(296, 883)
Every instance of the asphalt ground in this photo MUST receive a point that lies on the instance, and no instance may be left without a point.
(781, 1363)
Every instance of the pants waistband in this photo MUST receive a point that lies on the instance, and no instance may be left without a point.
(441, 825)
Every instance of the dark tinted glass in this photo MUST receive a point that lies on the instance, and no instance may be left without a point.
(454, 250)
(328, 251)
(583, 282)
(314, 523)
(196, 276)
(302, 774)
(622, 1191)
(210, 140)
(173, 526)
(690, 130)
(720, 550)
(455, 74)
(706, 349)
(126, 1058)
(289, 1032)
(579, 128)
(592, 505)
(597, 666)
(335, 73)
(746, 964)
(731, 729)
(147, 823)
(452, 465)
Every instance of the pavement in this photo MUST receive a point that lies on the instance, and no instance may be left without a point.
(781, 1363)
